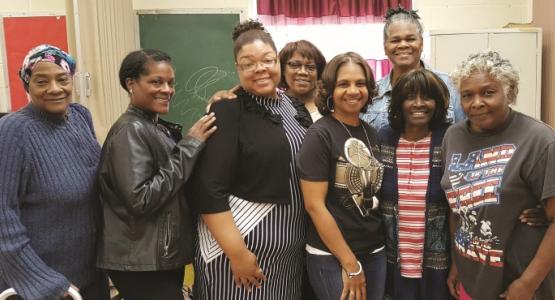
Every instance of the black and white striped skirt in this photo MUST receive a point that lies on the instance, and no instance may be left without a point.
(275, 233)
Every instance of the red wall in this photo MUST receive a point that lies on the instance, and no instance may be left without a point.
(23, 33)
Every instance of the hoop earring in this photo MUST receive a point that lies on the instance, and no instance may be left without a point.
(329, 104)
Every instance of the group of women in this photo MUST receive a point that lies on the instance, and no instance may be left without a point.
(284, 181)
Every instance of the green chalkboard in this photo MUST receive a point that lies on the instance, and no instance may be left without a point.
(202, 54)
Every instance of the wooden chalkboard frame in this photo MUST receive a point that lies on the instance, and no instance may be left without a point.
(185, 110)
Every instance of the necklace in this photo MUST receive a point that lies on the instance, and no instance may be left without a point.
(363, 130)
(365, 176)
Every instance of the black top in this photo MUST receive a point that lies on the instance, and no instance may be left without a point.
(147, 223)
(248, 156)
(351, 188)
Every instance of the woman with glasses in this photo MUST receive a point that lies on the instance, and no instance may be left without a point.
(252, 222)
(301, 68)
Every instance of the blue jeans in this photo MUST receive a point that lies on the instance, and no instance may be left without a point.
(324, 273)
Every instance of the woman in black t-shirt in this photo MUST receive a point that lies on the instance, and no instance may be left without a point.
(339, 176)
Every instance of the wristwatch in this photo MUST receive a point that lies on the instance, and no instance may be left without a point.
(353, 274)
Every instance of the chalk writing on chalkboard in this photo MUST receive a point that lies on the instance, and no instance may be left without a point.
(198, 88)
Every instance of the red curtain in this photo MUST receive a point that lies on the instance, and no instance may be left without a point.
(324, 8)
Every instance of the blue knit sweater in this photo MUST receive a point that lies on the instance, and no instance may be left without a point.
(48, 201)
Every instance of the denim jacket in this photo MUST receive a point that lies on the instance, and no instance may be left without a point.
(377, 111)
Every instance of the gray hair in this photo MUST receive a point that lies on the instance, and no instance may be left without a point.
(401, 15)
(495, 66)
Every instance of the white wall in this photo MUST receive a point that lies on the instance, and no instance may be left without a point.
(195, 4)
(472, 14)
(436, 14)
(33, 7)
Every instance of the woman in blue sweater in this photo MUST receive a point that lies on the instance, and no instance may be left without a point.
(48, 201)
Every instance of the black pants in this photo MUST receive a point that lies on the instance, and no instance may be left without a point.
(153, 285)
(98, 290)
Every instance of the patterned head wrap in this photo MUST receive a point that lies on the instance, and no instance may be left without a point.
(45, 52)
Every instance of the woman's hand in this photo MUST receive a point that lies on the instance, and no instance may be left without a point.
(246, 271)
(223, 94)
(354, 288)
(518, 290)
(452, 281)
(67, 294)
(203, 128)
(534, 216)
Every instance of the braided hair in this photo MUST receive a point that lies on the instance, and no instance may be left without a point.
(402, 15)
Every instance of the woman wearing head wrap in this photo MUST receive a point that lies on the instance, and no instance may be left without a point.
(48, 161)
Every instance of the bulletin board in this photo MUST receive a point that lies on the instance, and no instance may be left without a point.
(201, 48)
(20, 35)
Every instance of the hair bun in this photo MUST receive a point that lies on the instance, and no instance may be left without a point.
(245, 26)
(401, 10)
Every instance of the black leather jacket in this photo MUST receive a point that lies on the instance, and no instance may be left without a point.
(147, 224)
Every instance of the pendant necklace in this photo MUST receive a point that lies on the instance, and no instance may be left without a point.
(363, 130)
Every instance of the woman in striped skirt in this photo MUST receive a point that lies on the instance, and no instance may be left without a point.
(252, 222)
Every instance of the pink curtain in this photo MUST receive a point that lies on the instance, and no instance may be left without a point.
(321, 8)
(380, 67)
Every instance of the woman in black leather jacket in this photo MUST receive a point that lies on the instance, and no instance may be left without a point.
(147, 234)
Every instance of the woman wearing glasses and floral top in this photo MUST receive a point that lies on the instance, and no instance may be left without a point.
(301, 68)
(252, 223)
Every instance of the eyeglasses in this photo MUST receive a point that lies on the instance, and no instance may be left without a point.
(266, 63)
(297, 66)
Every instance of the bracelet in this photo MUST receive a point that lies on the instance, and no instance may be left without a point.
(353, 274)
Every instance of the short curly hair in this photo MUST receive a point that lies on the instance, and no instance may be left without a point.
(418, 82)
(495, 66)
(249, 31)
(329, 80)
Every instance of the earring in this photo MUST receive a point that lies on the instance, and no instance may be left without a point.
(131, 91)
(329, 103)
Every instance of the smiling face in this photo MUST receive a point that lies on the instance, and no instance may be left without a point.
(350, 93)
(300, 75)
(153, 92)
(484, 102)
(262, 80)
(418, 111)
(403, 45)
(50, 88)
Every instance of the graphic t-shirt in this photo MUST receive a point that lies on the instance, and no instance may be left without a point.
(489, 179)
(341, 155)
